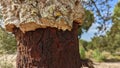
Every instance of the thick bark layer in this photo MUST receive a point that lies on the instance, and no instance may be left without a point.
(48, 48)
(41, 14)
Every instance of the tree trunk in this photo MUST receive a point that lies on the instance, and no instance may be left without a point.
(48, 48)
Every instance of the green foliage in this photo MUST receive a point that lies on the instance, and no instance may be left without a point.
(105, 43)
(113, 37)
(98, 56)
(116, 15)
(89, 19)
(82, 52)
(7, 42)
(0, 14)
(111, 41)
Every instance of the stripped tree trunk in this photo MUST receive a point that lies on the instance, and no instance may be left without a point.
(45, 32)
(48, 48)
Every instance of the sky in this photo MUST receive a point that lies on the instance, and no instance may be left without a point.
(90, 34)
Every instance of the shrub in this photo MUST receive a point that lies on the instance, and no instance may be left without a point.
(82, 52)
(97, 55)
(7, 43)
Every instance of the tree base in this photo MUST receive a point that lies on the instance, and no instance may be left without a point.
(48, 48)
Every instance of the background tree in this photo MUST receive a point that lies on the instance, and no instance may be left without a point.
(110, 42)
(87, 23)
(102, 13)
(115, 30)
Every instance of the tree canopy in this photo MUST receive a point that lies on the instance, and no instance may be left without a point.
(111, 41)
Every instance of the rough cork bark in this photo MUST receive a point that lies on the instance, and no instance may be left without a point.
(41, 14)
(48, 48)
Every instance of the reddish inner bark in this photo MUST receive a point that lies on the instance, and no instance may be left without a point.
(48, 48)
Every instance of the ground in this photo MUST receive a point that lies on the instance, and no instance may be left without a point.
(107, 65)
(10, 60)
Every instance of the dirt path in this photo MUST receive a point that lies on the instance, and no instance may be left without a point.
(107, 65)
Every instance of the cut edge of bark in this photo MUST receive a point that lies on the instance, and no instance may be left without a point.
(30, 15)
(32, 26)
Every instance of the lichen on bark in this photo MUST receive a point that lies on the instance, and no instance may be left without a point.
(29, 15)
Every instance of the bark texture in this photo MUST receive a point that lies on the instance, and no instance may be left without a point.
(48, 48)
(41, 14)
